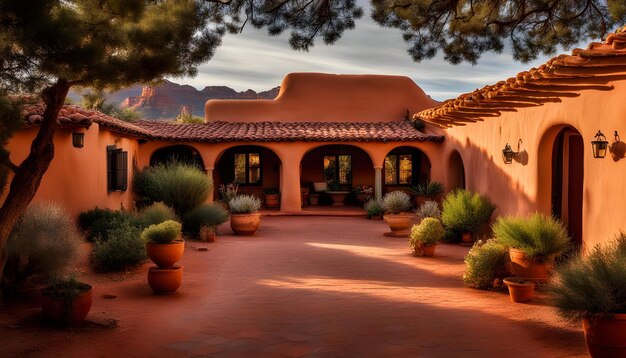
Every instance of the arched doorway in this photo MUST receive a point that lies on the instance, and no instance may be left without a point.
(405, 167)
(567, 181)
(456, 171)
(180, 153)
(253, 168)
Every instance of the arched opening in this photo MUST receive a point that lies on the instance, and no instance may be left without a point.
(456, 171)
(254, 169)
(180, 153)
(342, 168)
(567, 161)
(404, 168)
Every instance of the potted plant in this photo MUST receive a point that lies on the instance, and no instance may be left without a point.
(425, 236)
(272, 198)
(245, 218)
(466, 212)
(520, 289)
(203, 221)
(336, 194)
(534, 242)
(395, 205)
(363, 193)
(430, 190)
(164, 243)
(165, 281)
(66, 301)
(591, 288)
(374, 209)
(429, 209)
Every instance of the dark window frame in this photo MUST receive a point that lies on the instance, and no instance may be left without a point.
(117, 169)
(247, 154)
(336, 179)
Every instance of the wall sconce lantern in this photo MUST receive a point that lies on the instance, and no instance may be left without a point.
(599, 145)
(508, 154)
(78, 139)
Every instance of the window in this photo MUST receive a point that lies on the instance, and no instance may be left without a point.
(117, 169)
(399, 169)
(338, 169)
(248, 168)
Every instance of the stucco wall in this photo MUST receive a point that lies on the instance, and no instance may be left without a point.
(77, 177)
(526, 187)
(320, 97)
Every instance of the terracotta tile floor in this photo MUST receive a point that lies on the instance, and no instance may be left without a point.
(303, 286)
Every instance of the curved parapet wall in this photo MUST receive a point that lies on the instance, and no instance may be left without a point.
(319, 97)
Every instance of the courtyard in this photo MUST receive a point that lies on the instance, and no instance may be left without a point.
(303, 286)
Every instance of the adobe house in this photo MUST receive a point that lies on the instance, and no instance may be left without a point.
(351, 129)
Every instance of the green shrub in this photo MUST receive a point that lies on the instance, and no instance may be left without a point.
(430, 209)
(155, 214)
(123, 248)
(373, 207)
(539, 236)
(179, 186)
(464, 211)
(97, 222)
(244, 204)
(210, 215)
(43, 242)
(163, 233)
(430, 188)
(592, 286)
(488, 264)
(396, 202)
(426, 233)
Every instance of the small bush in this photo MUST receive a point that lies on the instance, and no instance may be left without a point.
(244, 204)
(592, 286)
(122, 249)
(43, 242)
(210, 215)
(179, 186)
(97, 222)
(430, 188)
(228, 192)
(163, 233)
(539, 236)
(427, 233)
(466, 211)
(488, 264)
(155, 214)
(430, 209)
(396, 202)
(373, 207)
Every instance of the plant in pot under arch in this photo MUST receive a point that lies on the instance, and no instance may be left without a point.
(430, 190)
(66, 301)
(272, 197)
(245, 217)
(534, 242)
(395, 204)
(591, 288)
(466, 212)
(425, 236)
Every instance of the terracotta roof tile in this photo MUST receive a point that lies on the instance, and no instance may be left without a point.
(561, 76)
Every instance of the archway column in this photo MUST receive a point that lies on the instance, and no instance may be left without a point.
(290, 196)
(378, 182)
(209, 174)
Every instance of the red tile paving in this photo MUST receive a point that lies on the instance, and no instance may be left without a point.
(303, 286)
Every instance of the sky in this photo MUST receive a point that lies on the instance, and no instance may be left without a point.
(254, 60)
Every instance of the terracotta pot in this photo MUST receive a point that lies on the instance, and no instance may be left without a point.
(314, 199)
(606, 337)
(165, 281)
(272, 200)
(400, 224)
(467, 237)
(376, 217)
(165, 255)
(245, 224)
(59, 311)
(338, 197)
(529, 268)
(420, 200)
(427, 251)
(207, 234)
(520, 289)
(304, 196)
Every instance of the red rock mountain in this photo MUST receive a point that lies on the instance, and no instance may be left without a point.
(165, 100)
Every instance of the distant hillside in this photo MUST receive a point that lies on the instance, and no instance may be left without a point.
(166, 100)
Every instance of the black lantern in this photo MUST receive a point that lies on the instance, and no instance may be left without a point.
(508, 154)
(599, 145)
(78, 139)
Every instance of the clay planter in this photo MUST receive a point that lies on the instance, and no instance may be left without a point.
(338, 197)
(314, 198)
(165, 281)
(467, 238)
(426, 251)
(520, 289)
(59, 311)
(376, 217)
(529, 268)
(272, 200)
(245, 224)
(207, 234)
(420, 200)
(606, 337)
(400, 224)
(165, 255)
